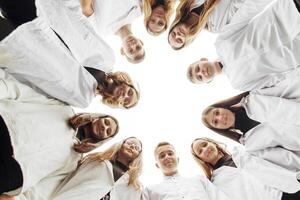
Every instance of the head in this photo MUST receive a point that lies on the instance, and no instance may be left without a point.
(207, 152)
(186, 24)
(133, 49)
(157, 16)
(104, 127)
(218, 118)
(203, 71)
(166, 158)
(129, 149)
(123, 93)
(96, 132)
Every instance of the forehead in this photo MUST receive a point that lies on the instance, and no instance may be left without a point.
(133, 140)
(164, 149)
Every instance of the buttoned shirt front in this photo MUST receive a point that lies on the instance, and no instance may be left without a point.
(177, 188)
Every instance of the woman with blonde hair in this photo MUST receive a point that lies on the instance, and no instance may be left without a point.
(217, 16)
(111, 174)
(242, 175)
(157, 15)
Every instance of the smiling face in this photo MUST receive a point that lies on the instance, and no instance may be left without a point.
(206, 151)
(127, 96)
(220, 118)
(157, 20)
(201, 71)
(103, 128)
(130, 150)
(132, 48)
(177, 37)
(166, 159)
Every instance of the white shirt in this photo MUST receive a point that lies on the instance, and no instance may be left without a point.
(177, 187)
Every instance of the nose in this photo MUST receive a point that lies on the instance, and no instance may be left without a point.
(220, 118)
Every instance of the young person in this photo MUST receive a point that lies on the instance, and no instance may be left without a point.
(40, 136)
(242, 175)
(111, 174)
(115, 18)
(175, 185)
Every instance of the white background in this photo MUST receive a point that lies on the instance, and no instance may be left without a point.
(170, 106)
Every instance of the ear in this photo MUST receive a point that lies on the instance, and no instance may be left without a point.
(122, 51)
(203, 59)
(156, 165)
(142, 42)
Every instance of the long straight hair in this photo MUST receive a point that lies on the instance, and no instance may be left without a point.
(207, 167)
(183, 12)
(149, 5)
(135, 167)
(226, 104)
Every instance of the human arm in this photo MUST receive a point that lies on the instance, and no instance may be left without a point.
(87, 7)
(213, 192)
(273, 109)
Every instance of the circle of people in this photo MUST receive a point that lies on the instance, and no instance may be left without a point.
(53, 56)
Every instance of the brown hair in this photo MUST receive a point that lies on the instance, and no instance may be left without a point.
(122, 78)
(135, 167)
(226, 104)
(149, 5)
(183, 12)
(207, 167)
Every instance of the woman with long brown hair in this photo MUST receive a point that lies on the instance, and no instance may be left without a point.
(242, 175)
(259, 122)
(41, 136)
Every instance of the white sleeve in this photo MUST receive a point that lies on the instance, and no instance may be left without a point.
(213, 192)
(274, 109)
(148, 195)
(13, 90)
(42, 190)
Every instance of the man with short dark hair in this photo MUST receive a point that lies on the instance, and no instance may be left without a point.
(174, 186)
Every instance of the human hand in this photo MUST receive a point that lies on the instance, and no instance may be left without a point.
(6, 197)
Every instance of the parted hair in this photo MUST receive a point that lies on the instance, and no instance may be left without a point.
(183, 12)
(226, 104)
(149, 5)
(207, 167)
(135, 167)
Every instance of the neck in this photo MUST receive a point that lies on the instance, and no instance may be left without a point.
(217, 68)
(124, 161)
(124, 32)
(220, 155)
(171, 173)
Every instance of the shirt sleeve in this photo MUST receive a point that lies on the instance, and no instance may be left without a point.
(213, 192)
(11, 89)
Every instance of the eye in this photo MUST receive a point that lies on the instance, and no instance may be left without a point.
(130, 92)
(106, 122)
(215, 122)
(199, 77)
(161, 156)
(179, 40)
(197, 69)
(160, 23)
(126, 101)
(138, 48)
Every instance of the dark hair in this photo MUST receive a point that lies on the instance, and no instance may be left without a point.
(226, 104)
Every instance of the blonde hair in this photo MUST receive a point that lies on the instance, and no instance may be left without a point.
(135, 167)
(149, 5)
(123, 78)
(183, 12)
(207, 167)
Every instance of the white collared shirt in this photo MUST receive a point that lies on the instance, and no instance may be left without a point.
(177, 187)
